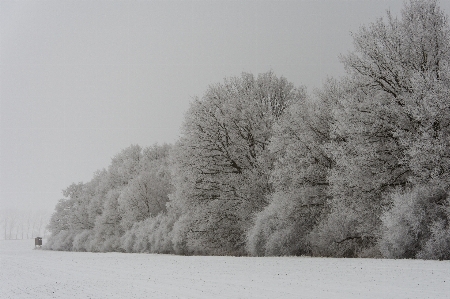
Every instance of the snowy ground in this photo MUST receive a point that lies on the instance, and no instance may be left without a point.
(28, 273)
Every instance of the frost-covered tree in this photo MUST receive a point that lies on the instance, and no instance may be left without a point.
(125, 166)
(373, 119)
(146, 195)
(70, 213)
(418, 223)
(71, 217)
(108, 229)
(298, 178)
(95, 215)
(428, 149)
(223, 159)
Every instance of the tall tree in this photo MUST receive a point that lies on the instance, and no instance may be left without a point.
(299, 179)
(224, 161)
(373, 119)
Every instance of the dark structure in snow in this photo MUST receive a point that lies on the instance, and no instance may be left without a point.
(38, 241)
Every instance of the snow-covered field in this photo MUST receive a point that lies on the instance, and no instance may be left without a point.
(28, 273)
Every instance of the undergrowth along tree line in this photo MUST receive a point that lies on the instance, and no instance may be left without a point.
(359, 168)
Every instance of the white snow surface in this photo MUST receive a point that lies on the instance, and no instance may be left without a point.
(28, 273)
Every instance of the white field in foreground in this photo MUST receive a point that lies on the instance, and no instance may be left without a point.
(28, 273)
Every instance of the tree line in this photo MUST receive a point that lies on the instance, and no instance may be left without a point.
(358, 168)
(23, 224)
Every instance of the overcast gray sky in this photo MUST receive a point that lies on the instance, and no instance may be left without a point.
(82, 80)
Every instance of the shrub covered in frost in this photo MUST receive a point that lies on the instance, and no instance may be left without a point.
(83, 241)
(62, 241)
(282, 227)
(417, 225)
(151, 235)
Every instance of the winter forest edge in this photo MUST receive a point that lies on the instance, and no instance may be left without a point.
(359, 168)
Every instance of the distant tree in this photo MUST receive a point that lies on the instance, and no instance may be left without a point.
(13, 224)
(4, 222)
(9, 219)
